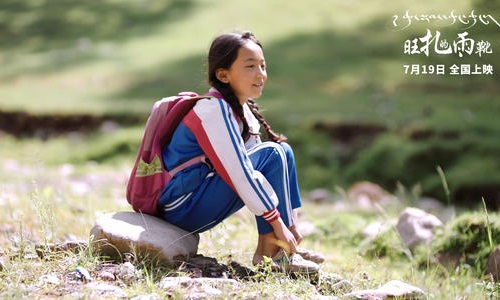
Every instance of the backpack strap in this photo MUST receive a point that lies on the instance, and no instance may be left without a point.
(200, 158)
(192, 161)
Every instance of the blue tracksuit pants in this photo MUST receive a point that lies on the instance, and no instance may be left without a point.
(214, 200)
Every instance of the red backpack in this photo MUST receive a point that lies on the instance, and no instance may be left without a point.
(149, 176)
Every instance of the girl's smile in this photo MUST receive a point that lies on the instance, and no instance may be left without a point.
(247, 75)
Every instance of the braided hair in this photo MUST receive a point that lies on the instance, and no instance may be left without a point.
(223, 52)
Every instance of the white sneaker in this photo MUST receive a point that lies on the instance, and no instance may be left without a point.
(295, 264)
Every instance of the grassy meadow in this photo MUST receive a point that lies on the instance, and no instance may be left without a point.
(336, 88)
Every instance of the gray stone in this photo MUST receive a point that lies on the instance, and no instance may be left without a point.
(50, 279)
(145, 236)
(319, 195)
(493, 264)
(307, 228)
(106, 276)
(416, 227)
(199, 288)
(367, 195)
(392, 289)
(100, 290)
(333, 284)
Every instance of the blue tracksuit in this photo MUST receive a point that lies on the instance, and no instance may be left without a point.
(260, 176)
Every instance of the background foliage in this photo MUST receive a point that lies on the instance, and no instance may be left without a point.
(336, 85)
(78, 78)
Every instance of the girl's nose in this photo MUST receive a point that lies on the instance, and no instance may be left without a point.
(262, 72)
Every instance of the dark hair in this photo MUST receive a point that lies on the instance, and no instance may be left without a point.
(223, 52)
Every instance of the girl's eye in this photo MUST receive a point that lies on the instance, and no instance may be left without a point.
(263, 66)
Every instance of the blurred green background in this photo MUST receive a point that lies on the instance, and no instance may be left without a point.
(336, 85)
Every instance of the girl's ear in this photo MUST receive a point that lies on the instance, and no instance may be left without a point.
(222, 75)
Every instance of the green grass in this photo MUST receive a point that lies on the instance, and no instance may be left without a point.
(330, 62)
(365, 264)
(336, 63)
(149, 50)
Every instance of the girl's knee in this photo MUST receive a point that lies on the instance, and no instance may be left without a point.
(267, 154)
(288, 149)
(281, 151)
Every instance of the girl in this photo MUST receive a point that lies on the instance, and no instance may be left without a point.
(240, 170)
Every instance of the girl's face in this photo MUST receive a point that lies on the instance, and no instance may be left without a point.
(247, 74)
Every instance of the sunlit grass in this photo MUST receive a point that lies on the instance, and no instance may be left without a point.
(340, 62)
(335, 61)
(86, 73)
(67, 208)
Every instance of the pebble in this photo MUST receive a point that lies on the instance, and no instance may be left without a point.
(107, 276)
(100, 289)
(51, 279)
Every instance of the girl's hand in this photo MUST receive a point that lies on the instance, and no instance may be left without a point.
(286, 239)
(296, 233)
(293, 228)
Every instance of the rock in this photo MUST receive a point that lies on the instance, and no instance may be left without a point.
(106, 276)
(493, 264)
(199, 288)
(307, 228)
(172, 283)
(341, 287)
(202, 266)
(333, 284)
(366, 194)
(145, 236)
(126, 272)
(416, 227)
(100, 290)
(50, 279)
(319, 196)
(396, 288)
(392, 289)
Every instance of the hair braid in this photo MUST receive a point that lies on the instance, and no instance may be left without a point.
(235, 104)
(271, 135)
